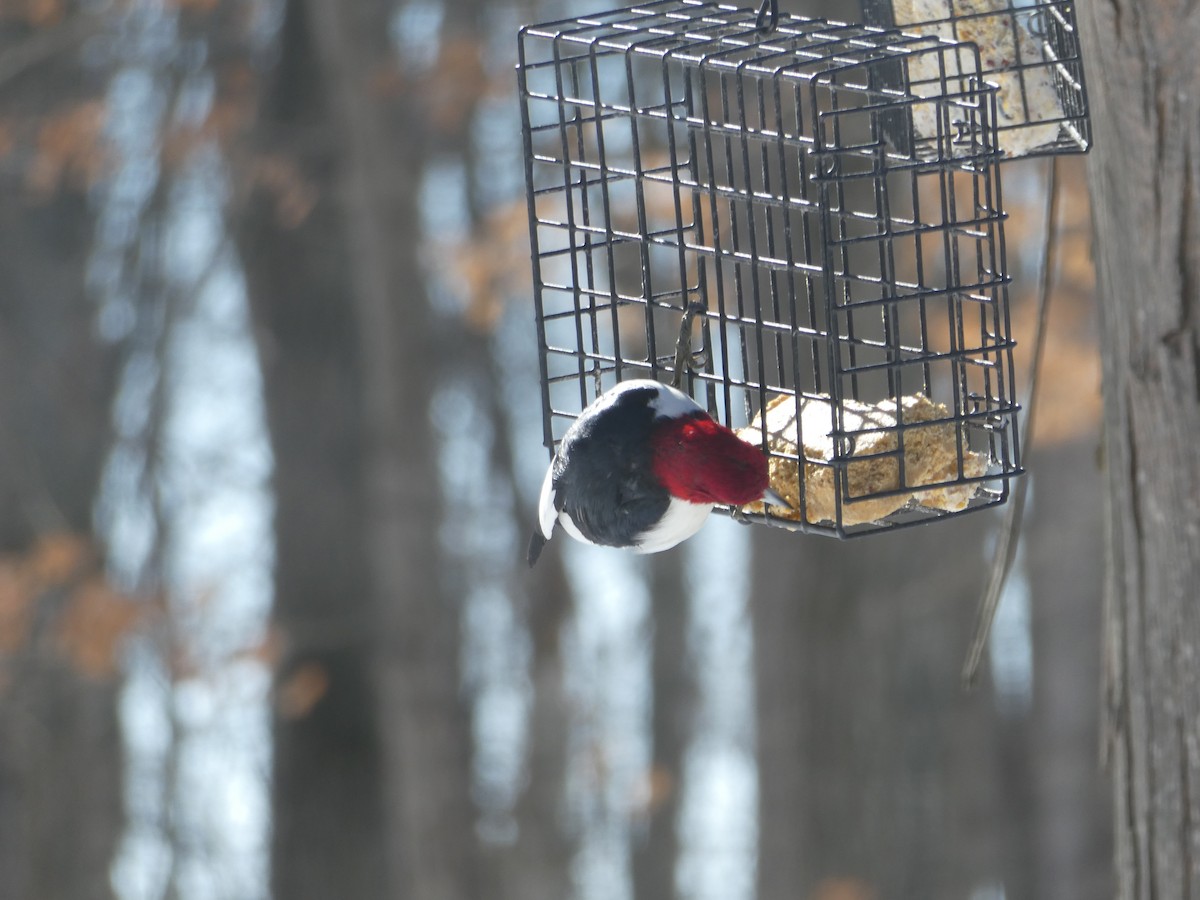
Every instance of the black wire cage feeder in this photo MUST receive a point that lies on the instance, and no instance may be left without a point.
(1028, 49)
(799, 225)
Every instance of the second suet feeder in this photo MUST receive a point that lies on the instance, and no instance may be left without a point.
(1028, 48)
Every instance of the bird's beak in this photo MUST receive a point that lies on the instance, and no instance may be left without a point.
(769, 496)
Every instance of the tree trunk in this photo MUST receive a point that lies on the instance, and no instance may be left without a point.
(381, 753)
(327, 835)
(878, 776)
(1144, 83)
(1070, 831)
(656, 844)
(431, 820)
(61, 808)
(537, 867)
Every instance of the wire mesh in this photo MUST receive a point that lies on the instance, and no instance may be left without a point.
(1030, 50)
(697, 186)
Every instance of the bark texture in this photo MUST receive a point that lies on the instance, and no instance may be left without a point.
(1144, 173)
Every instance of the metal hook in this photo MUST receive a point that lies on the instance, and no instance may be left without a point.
(1037, 24)
(768, 11)
(684, 357)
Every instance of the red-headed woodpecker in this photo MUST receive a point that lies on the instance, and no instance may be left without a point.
(641, 468)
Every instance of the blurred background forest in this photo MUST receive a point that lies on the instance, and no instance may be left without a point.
(269, 453)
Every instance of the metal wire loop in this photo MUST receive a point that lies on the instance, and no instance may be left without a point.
(768, 17)
(684, 357)
(1037, 24)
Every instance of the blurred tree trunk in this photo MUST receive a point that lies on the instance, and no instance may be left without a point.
(61, 804)
(1071, 831)
(431, 836)
(463, 81)
(371, 788)
(1145, 184)
(878, 776)
(537, 867)
(656, 848)
(61, 801)
(327, 833)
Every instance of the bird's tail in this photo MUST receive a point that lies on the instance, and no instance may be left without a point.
(536, 542)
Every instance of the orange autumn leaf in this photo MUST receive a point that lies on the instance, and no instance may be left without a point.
(294, 194)
(196, 6)
(38, 13)
(58, 557)
(302, 690)
(93, 625)
(70, 148)
(16, 606)
(53, 562)
(493, 264)
(228, 117)
(658, 786)
(386, 80)
(843, 888)
(8, 141)
(268, 650)
(456, 83)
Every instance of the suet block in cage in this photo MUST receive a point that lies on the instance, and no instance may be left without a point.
(1029, 50)
(726, 209)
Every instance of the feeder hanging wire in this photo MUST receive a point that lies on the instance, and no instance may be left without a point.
(1009, 536)
(768, 16)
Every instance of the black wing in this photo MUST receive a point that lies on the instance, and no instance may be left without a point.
(603, 476)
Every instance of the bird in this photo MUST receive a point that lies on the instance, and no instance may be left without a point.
(641, 468)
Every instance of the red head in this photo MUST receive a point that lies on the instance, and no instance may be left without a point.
(699, 460)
